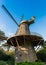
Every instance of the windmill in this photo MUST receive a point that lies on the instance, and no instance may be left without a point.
(24, 41)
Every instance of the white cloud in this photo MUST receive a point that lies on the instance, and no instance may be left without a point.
(9, 33)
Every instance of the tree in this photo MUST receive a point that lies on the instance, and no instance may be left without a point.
(44, 44)
(2, 36)
(42, 53)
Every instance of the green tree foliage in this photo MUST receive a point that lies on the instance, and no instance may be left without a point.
(4, 56)
(2, 36)
(42, 55)
(44, 44)
(3, 63)
(9, 59)
(2, 33)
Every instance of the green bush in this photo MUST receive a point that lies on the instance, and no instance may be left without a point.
(42, 55)
(3, 63)
(6, 62)
(29, 63)
(4, 56)
(10, 63)
(9, 59)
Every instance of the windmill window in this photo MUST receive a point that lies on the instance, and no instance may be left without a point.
(20, 55)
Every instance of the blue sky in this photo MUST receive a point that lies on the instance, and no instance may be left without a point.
(27, 7)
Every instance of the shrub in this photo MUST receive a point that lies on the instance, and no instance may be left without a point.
(4, 56)
(3, 63)
(29, 63)
(42, 55)
(10, 63)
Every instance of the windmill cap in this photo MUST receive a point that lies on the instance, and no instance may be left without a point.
(23, 21)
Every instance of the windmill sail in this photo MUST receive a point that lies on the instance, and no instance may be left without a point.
(9, 14)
